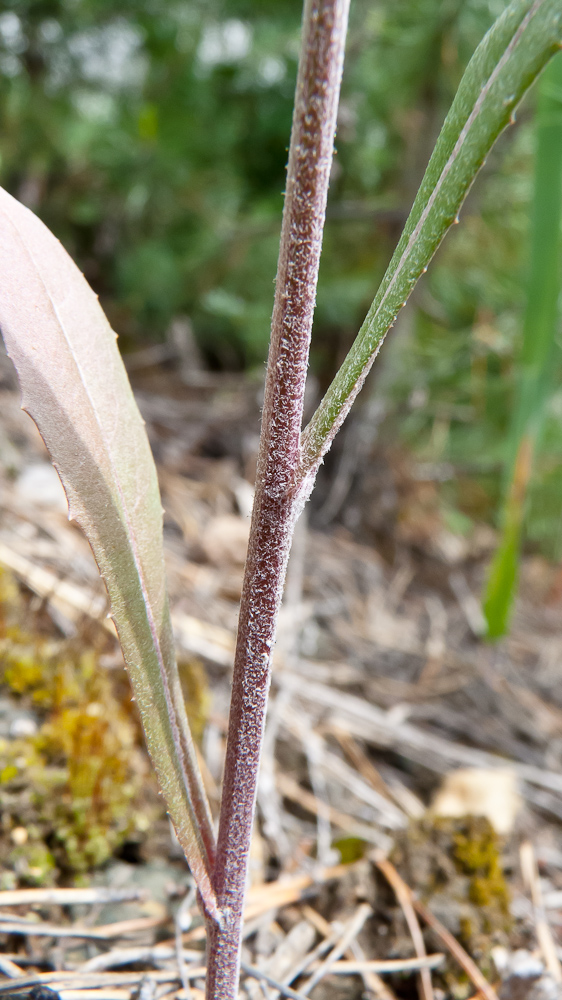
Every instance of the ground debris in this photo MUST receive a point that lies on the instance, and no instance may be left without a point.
(381, 688)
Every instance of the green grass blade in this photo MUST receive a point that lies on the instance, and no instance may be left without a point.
(506, 62)
(536, 366)
(504, 571)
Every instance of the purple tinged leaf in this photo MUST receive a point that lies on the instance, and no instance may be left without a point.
(75, 388)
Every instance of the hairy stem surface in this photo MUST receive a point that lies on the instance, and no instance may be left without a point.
(277, 502)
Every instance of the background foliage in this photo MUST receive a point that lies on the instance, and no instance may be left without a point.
(153, 142)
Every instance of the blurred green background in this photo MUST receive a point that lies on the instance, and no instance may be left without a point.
(152, 139)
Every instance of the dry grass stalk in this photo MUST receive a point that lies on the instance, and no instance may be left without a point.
(291, 790)
(350, 932)
(457, 951)
(452, 945)
(404, 897)
(371, 980)
(544, 934)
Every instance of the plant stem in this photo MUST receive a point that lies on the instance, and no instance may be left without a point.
(278, 501)
(509, 58)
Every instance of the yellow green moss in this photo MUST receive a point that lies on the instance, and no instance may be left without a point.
(455, 866)
(75, 787)
(477, 853)
(196, 693)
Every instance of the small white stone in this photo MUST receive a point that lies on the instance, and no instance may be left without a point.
(474, 791)
(23, 726)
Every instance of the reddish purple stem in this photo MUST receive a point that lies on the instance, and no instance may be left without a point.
(278, 501)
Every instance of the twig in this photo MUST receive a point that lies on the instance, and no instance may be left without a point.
(103, 994)
(457, 951)
(372, 982)
(126, 956)
(194, 635)
(71, 600)
(345, 967)
(330, 936)
(374, 725)
(28, 927)
(69, 897)
(404, 897)
(269, 799)
(313, 746)
(77, 980)
(289, 954)
(469, 604)
(181, 917)
(291, 790)
(195, 992)
(544, 934)
(362, 763)
(122, 928)
(350, 932)
(272, 895)
(10, 968)
(389, 815)
(285, 991)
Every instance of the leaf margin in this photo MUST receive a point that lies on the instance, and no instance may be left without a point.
(147, 646)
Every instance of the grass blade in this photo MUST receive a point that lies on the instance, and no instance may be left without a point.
(539, 330)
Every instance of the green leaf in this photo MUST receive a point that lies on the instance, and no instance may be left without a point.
(504, 65)
(75, 388)
(539, 332)
(504, 572)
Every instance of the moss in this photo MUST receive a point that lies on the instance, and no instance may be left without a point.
(33, 864)
(477, 853)
(195, 689)
(22, 672)
(78, 786)
(8, 772)
(455, 865)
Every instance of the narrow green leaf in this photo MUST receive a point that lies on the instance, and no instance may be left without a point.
(75, 388)
(502, 581)
(506, 62)
(504, 572)
(536, 363)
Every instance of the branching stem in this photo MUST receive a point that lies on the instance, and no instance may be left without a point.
(278, 500)
(509, 58)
